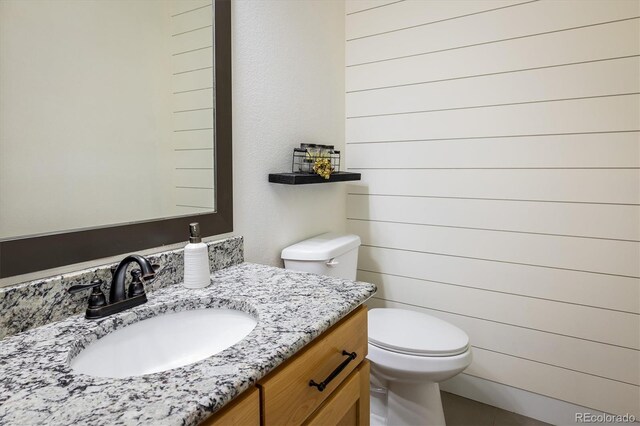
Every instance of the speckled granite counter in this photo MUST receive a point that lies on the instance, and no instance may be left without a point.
(37, 385)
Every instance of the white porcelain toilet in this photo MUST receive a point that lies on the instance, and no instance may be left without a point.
(410, 352)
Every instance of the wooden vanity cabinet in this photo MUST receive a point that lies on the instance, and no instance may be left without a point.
(242, 411)
(285, 396)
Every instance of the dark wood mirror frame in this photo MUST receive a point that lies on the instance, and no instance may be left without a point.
(21, 256)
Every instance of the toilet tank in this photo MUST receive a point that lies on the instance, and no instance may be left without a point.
(331, 254)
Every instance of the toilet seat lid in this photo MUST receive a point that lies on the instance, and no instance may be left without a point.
(415, 333)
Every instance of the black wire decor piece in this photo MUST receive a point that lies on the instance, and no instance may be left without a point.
(306, 156)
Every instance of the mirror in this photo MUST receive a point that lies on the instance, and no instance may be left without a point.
(107, 118)
(107, 113)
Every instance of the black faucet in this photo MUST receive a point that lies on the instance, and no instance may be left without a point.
(117, 292)
(118, 300)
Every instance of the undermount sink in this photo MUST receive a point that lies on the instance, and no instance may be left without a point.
(164, 342)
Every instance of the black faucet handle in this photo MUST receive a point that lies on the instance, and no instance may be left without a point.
(97, 297)
(136, 288)
(156, 270)
(136, 274)
(94, 284)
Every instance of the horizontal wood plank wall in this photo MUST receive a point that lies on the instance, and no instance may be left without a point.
(499, 145)
(193, 96)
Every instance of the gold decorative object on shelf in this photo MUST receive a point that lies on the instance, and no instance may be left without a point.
(322, 166)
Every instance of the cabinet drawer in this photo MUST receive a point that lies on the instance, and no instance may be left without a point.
(348, 405)
(287, 398)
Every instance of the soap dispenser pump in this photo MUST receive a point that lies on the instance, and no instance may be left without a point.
(196, 260)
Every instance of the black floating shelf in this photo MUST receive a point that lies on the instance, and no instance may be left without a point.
(307, 178)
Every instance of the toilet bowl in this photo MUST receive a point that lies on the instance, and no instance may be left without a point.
(410, 352)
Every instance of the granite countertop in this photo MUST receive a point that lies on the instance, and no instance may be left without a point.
(37, 386)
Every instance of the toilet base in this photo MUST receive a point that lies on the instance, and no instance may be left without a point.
(408, 404)
(376, 420)
(414, 404)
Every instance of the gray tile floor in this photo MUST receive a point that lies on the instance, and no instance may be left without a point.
(459, 411)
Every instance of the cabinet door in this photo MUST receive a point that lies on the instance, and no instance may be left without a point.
(348, 405)
(243, 411)
(287, 397)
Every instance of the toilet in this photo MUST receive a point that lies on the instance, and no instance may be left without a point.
(410, 352)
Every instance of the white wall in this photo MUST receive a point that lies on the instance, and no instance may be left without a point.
(499, 147)
(288, 88)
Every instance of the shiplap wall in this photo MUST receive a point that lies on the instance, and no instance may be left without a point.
(193, 94)
(499, 147)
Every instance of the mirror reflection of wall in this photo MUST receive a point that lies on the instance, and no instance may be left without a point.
(106, 113)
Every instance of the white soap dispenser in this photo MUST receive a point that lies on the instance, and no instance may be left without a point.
(196, 260)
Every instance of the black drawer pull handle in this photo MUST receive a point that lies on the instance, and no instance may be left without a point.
(322, 385)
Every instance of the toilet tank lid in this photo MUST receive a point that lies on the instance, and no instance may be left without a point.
(322, 247)
(415, 333)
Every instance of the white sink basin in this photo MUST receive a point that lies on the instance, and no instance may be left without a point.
(164, 342)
